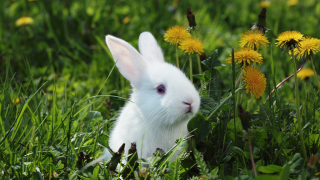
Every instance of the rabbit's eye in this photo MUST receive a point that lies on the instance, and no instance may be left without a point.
(161, 89)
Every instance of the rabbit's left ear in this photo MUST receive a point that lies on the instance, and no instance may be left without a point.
(149, 47)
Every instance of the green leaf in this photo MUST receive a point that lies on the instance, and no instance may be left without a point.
(296, 164)
(207, 105)
(58, 149)
(92, 115)
(265, 113)
(194, 123)
(237, 150)
(201, 164)
(84, 178)
(238, 125)
(95, 173)
(215, 171)
(50, 167)
(270, 169)
(175, 169)
(242, 177)
(199, 76)
(266, 177)
(278, 136)
(284, 175)
(204, 130)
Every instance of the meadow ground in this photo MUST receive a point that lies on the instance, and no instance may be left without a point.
(60, 91)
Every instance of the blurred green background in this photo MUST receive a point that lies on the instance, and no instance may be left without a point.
(65, 44)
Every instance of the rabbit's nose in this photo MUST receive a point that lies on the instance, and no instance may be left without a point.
(189, 106)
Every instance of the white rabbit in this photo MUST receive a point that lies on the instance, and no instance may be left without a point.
(162, 101)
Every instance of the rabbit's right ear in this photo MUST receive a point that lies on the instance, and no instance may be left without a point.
(129, 61)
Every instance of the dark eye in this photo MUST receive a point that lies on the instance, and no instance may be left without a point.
(161, 89)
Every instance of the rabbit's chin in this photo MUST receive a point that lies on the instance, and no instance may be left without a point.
(183, 118)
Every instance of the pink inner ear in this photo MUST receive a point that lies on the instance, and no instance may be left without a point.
(129, 61)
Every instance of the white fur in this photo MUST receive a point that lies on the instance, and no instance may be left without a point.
(159, 118)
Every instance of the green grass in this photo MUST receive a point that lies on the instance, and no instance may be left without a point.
(60, 92)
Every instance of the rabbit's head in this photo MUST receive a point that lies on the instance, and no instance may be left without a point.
(162, 92)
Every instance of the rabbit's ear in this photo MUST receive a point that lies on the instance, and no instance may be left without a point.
(149, 47)
(129, 61)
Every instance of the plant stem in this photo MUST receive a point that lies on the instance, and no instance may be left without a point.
(234, 93)
(191, 77)
(238, 80)
(315, 74)
(177, 58)
(286, 79)
(251, 157)
(298, 106)
(200, 71)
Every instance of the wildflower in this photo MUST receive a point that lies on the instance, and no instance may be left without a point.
(244, 56)
(253, 39)
(289, 39)
(265, 4)
(24, 21)
(305, 73)
(292, 2)
(191, 45)
(126, 20)
(176, 34)
(255, 81)
(191, 18)
(308, 47)
(15, 101)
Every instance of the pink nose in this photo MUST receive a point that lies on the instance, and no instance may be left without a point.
(190, 107)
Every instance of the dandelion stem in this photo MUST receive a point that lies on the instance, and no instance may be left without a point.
(286, 79)
(315, 74)
(191, 75)
(251, 157)
(298, 106)
(177, 58)
(200, 71)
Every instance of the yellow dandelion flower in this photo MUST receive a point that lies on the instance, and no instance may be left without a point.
(265, 4)
(126, 20)
(175, 35)
(244, 56)
(253, 39)
(305, 73)
(24, 21)
(289, 38)
(254, 81)
(292, 2)
(307, 48)
(15, 101)
(191, 45)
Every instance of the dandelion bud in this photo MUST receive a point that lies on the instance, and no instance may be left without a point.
(115, 160)
(191, 18)
(159, 151)
(244, 117)
(132, 162)
(262, 19)
(312, 161)
(133, 151)
(203, 56)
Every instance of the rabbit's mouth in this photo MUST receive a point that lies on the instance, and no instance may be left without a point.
(189, 108)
